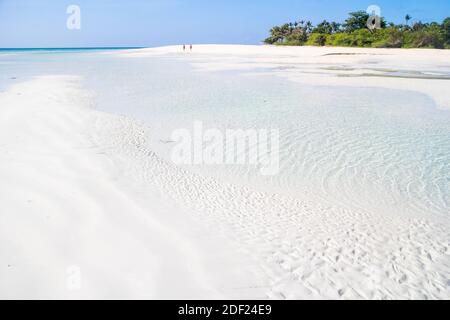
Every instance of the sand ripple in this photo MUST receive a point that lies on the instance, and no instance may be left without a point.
(302, 248)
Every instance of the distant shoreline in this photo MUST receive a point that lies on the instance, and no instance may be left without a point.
(204, 44)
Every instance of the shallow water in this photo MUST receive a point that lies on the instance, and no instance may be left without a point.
(375, 149)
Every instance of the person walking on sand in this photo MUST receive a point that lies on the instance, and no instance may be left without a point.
(184, 48)
(191, 47)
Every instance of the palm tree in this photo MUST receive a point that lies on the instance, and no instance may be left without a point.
(407, 18)
(335, 27)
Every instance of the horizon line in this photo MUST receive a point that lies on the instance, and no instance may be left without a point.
(67, 48)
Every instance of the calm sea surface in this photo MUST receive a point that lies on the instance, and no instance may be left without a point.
(374, 149)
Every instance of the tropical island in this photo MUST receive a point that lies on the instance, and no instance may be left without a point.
(354, 32)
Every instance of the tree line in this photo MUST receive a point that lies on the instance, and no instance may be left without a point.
(354, 32)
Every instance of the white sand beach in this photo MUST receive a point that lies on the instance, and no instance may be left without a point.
(331, 66)
(74, 197)
(83, 194)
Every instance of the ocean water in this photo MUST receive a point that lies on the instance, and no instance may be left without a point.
(373, 149)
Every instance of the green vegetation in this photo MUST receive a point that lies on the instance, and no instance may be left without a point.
(355, 33)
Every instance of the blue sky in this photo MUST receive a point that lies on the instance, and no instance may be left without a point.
(42, 23)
